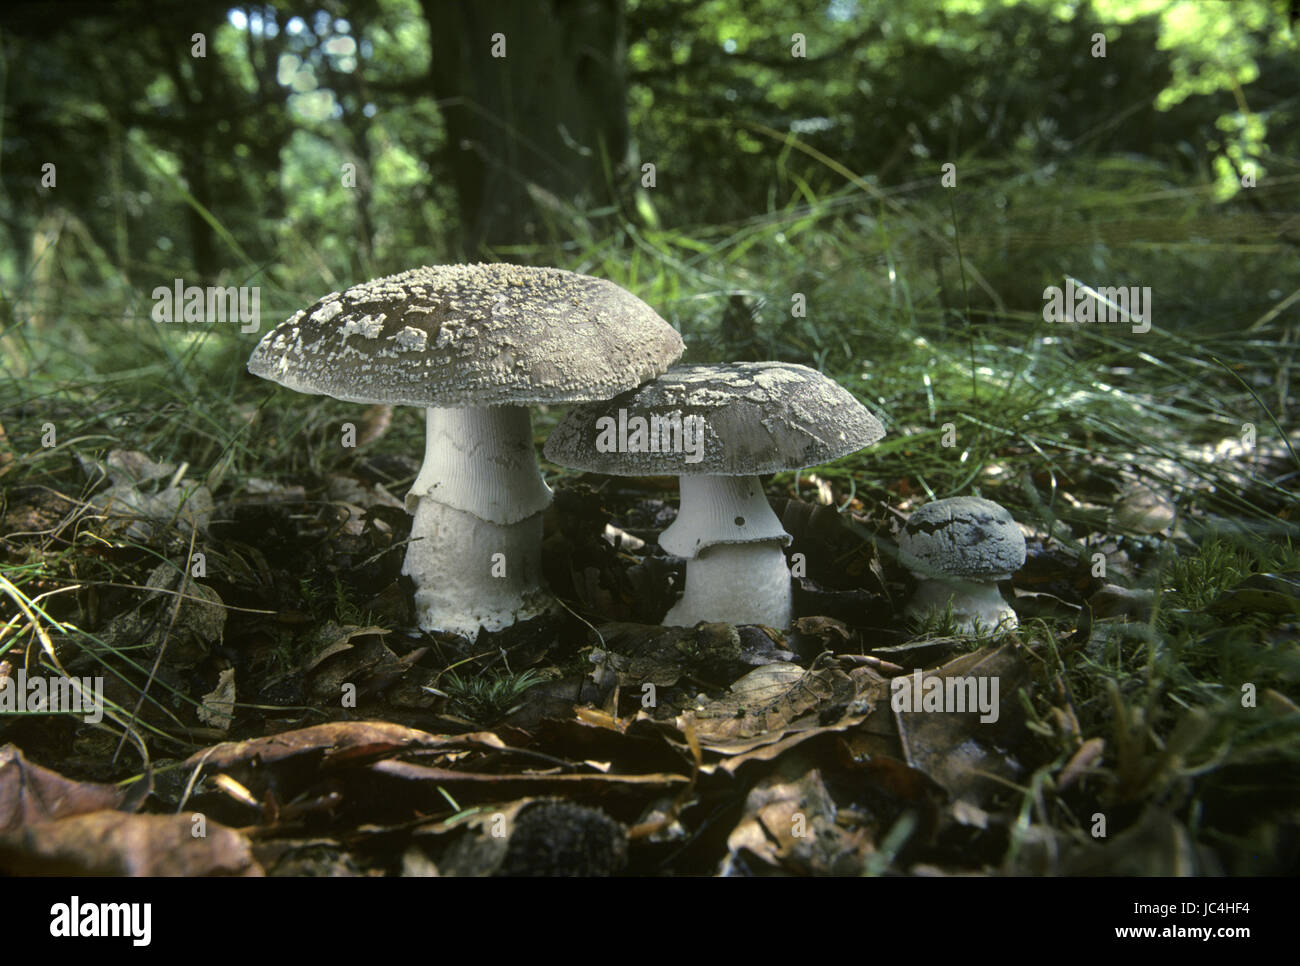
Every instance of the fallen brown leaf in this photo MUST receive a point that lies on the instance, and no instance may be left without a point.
(959, 749)
(414, 772)
(116, 843)
(30, 794)
(218, 705)
(790, 825)
(339, 741)
(822, 702)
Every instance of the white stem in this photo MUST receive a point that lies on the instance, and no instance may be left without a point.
(475, 550)
(975, 605)
(721, 509)
(471, 573)
(746, 583)
(481, 461)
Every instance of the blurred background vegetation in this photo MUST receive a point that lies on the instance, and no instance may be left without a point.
(773, 172)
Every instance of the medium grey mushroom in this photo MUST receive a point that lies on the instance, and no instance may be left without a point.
(960, 548)
(475, 345)
(718, 427)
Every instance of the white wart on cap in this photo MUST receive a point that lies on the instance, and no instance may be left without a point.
(718, 427)
(960, 548)
(474, 345)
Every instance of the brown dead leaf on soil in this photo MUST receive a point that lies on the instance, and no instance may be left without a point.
(826, 629)
(782, 700)
(117, 843)
(314, 857)
(645, 653)
(30, 794)
(217, 707)
(355, 655)
(820, 701)
(137, 506)
(957, 748)
(338, 741)
(768, 699)
(790, 826)
(631, 656)
(413, 772)
(189, 616)
(330, 638)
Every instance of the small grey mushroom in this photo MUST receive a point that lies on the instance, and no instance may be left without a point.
(474, 345)
(718, 428)
(960, 548)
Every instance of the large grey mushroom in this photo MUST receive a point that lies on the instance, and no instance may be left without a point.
(475, 345)
(718, 427)
(960, 548)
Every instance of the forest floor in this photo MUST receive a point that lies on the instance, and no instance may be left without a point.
(284, 694)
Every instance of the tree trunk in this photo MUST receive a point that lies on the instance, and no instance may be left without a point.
(538, 130)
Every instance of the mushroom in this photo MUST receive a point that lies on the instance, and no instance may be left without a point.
(718, 427)
(475, 345)
(960, 548)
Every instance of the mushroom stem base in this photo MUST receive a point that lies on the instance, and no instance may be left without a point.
(736, 583)
(976, 606)
(471, 573)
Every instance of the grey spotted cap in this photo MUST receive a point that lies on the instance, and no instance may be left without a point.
(965, 537)
(757, 418)
(470, 335)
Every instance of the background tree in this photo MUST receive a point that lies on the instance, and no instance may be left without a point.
(341, 138)
(534, 97)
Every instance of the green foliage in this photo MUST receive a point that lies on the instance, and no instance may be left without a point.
(334, 602)
(489, 695)
(1194, 580)
(937, 624)
(233, 166)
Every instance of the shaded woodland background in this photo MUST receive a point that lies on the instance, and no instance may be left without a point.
(231, 167)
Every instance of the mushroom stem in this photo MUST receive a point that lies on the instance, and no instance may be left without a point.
(481, 460)
(475, 550)
(720, 509)
(975, 604)
(737, 570)
(738, 583)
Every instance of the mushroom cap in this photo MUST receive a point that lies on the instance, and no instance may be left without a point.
(758, 417)
(963, 536)
(470, 335)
